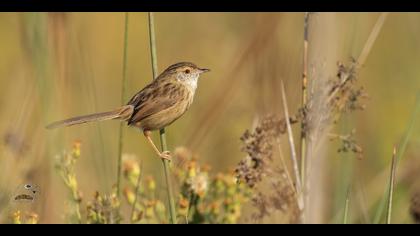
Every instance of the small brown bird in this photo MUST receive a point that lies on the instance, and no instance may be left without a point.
(156, 106)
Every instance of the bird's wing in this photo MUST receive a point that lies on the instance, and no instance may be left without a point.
(146, 104)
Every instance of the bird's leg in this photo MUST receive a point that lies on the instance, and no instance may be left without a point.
(164, 155)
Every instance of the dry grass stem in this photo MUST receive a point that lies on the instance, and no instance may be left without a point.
(292, 150)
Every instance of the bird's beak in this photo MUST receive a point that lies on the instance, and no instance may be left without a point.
(204, 70)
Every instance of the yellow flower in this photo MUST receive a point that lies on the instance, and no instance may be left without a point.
(151, 184)
(131, 168)
(16, 217)
(215, 208)
(183, 206)
(129, 195)
(160, 207)
(192, 169)
(76, 148)
(32, 218)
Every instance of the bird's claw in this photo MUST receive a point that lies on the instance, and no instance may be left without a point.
(166, 155)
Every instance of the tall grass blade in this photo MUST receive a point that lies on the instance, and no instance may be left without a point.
(372, 38)
(293, 151)
(346, 207)
(400, 153)
(123, 94)
(391, 185)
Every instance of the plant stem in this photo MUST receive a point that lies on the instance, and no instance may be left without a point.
(372, 38)
(300, 200)
(402, 146)
(77, 210)
(164, 147)
(133, 208)
(123, 92)
(346, 207)
(304, 97)
(391, 185)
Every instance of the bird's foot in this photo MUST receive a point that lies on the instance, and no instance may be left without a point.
(166, 155)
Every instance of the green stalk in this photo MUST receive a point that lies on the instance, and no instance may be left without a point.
(401, 149)
(346, 207)
(391, 185)
(123, 92)
(164, 146)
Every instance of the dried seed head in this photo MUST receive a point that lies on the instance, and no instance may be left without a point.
(258, 169)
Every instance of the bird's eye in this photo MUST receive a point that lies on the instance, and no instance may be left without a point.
(187, 71)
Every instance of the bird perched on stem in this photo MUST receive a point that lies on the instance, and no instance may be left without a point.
(156, 106)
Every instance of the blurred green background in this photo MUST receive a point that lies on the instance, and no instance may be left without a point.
(58, 65)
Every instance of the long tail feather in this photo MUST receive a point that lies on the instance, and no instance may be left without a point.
(120, 113)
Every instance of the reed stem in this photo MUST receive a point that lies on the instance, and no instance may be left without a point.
(346, 207)
(400, 152)
(300, 199)
(123, 92)
(164, 147)
(304, 98)
(391, 185)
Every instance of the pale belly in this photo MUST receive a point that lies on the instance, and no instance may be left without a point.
(163, 118)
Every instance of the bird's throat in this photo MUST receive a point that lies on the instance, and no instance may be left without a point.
(192, 83)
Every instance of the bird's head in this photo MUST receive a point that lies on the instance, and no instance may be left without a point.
(185, 71)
